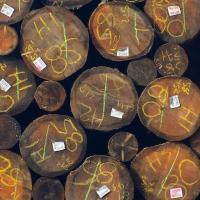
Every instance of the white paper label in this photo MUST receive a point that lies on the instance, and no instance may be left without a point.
(123, 52)
(103, 191)
(39, 64)
(174, 102)
(7, 10)
(116, 113)
(174, 10)
(4, 85)
(58, 146)
(176, 193)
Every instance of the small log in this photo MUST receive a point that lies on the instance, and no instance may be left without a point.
(123, 146)
(195, 142)
(12, 11)
(142, 71)
(8, 39)
(176, 21)
(54, 43)
(15, 178)
(53, 145)
(120, 31)
(10, 132)
(50, 96)
(169, 107)
(167, 171)
(95, 172)
(103, 99)
(48, 189)
(171, 59)
(71, 4)
(17, 86)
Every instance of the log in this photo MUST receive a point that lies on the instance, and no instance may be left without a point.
(8, 40)
(120, 31)
(171, 59)
(96, 172)
(53, 144)
(10, 132)
(172, 19)
(48, 189)
(70, 4)
(167, 171)
(15, 178)
(50, 96)
(142, 71)
(12, 11)
(195, 142)
(54, 43)
(123, 146)
(103, 99)
(17, 86)
(169, 107)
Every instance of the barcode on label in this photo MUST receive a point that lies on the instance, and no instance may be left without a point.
(58, 146)
(103, 191)
(176, 193)
(174, 102)
(123, 52)
(4, 85)
(7, 10)
(39, 64)
(116, 113)
(174, 10)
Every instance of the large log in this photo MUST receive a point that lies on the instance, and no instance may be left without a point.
(10, 131)
(48, 189)
(96, 172)
(176, 20)
(142, 71)
(195, 142)
(15, 178)
(54, 43)
(120, 31)
(71, 4)
(50, 96)
(13, 11)
(123, 146)
(171, 59)
(53, 145)
(17, 86)
(169, 107)
(104, 99)
(167, 171)
(8, 39)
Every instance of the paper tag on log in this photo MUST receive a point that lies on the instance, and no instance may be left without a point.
(4, 85)
(40, 64)
(176, 193)
(174, 102)
(7, 10)
(116, 113)
(174, 10)
(103, 191)
(58, 146)
(123, 52)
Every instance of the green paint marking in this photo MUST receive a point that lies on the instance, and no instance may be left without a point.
(65, 40)
(92, 181)
(45, 143)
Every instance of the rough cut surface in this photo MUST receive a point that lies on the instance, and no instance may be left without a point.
(175, 20)
(195, 142)
(15, 178)
(58, 39)
(160, 169)
(95, 172)
(120, 31)
(36, 145)
(161, 113)
(104, 99)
